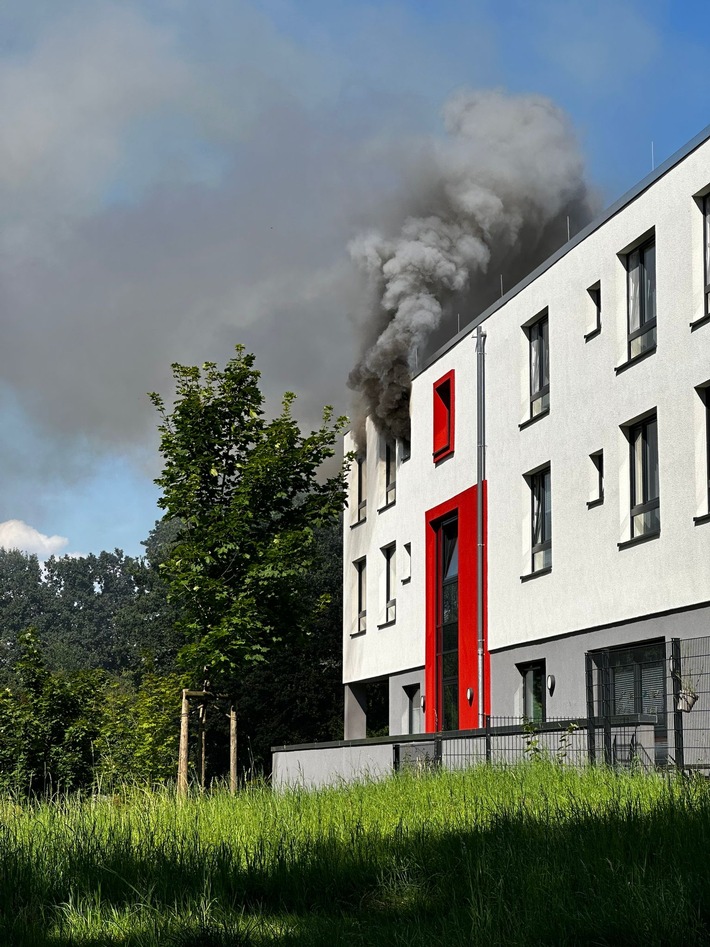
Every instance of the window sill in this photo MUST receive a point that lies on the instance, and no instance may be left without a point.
(406, 581)
(442, 455)
(588, 336)
(592, 503)
(358, 523)
(637, 540)
(387, 506)
(635, 360)
(388, 624)
(702, 321)
(542, 414)
(701, 520)
(535, 575)
(358, 634)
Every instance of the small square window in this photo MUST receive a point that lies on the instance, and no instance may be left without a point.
(538, 336)
(641, 283)
(443, 417)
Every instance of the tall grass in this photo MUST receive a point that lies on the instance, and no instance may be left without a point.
(530, 855)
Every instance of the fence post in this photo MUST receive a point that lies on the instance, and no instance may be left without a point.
(182, 755)
(488, 738)
(591, 734)
(676, 677)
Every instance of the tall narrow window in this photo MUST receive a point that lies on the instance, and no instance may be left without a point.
(595, 294)
(361, 579)
(597, 491)
(443, 417)
(641, 268)
(533, 675)
(539, 367)
(389, 553)
(541, 520)
(448, 630)
(390, 473)
(405, 449)
(413, 694)
(407, 562)
(361, 488)
(645, 504)
(706, 241)
(705, 398)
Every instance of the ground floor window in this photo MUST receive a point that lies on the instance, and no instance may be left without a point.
(533, 675)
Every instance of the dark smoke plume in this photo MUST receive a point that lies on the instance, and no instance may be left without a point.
(492, 200)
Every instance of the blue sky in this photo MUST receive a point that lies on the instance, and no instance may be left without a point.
(178, 177)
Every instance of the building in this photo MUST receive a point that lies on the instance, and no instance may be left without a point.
(553, 504)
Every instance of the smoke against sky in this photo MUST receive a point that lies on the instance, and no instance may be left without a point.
(492, 204)
(176, 178)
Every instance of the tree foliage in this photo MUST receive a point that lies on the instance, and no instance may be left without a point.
(247, 494)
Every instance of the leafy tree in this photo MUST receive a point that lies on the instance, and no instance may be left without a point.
(23, 602)
(247, 494)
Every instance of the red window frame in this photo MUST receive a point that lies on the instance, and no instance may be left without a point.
(443, 397)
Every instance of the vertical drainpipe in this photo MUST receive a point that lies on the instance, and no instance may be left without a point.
(480, 477)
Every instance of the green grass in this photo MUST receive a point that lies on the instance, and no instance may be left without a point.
(538, 854)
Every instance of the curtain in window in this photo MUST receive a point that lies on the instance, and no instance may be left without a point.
(649, 283)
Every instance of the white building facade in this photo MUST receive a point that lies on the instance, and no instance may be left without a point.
(554, 499)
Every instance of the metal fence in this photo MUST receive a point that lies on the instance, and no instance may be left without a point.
(622, 741)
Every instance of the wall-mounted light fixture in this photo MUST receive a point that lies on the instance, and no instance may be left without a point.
(422, 703)
(550, 684)
(469, 695)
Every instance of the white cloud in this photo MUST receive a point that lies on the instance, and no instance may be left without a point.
(15, 534)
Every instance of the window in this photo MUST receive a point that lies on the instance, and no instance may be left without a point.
(597, 491)
(390, 611)
(390, 473)
(541, 520)
(533, 675)
(645, 507)
(448, 626)
(641, 269)
(595, 294)
(407, 562)
(361, 579)
(539, 367)
(637, 680)
(704, 393)
(706, 243)
(413, 693)
(405, 449)
(444, 417)
(361, 488)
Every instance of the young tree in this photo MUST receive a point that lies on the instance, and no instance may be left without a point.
(247, 494)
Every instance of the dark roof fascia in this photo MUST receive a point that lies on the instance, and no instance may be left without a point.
(605, 216)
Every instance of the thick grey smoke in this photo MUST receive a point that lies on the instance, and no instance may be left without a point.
(491, 200)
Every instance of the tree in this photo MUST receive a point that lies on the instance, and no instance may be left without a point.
(247, 494)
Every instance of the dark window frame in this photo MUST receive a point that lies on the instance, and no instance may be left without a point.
(641, 502)
(538, 333)
(443, 397)
(528, 671)
(389, 552)
(637, 263)
(361, 573)
(595, 294)
(597, 459)
(390, 472)
(361, 478)
(706, 250)
(541, 518)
